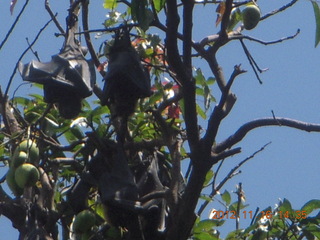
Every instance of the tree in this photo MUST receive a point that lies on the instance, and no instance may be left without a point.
(128, 184)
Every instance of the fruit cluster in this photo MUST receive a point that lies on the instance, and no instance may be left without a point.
(22, 172)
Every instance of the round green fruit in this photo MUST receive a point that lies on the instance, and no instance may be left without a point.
(19, 158)
(251, 16)
(26, 175)
(30, 148)
(83, 221)
(12, 184)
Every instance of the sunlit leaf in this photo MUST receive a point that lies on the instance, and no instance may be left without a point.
(110, 4)
(209, 176)
(201, 112)
(199, 77)
(311, 205)
(208, 224)
(285, 206)
(205, 236)
(316, 9)
(226, 197)
(159, 4)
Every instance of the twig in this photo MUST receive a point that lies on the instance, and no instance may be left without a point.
(227, 177)
(87, 36)
(267, 42)
(221, 110)
(225, 154)
(279, 10)
(34, 53)
(239, 200)
(53, 17)
(22, 55)
(14, 24)
(252, 62)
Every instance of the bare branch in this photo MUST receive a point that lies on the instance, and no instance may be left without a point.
(22, 55)
(252, 62)
(87, 35)
(290, 4)
(53, 17)
(263, 122)
(231, 173)
(236, 35)
(14, 24)
(221, 110)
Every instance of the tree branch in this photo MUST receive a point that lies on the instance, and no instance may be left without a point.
(225, 105)
(53, 17)
(231, 173)
(247, 127)
(14, 24)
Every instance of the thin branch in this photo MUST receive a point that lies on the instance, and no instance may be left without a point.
(225, 154)
(290, 4)
(227, 177)
(252, 62)
(236, 35)
(221, 110)
(264, 122)
(266, 42)
(34, 52)
(87, 35)
(22, 55)
(54, 17)
(14, 24)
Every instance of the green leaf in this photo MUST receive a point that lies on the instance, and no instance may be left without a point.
(206, 198)
(313, 230)
(141, 13)
(199, 91)
(211, 81)
(204, 236)
(159, 4)
(316, 9)
(286, 206)
(200, 78)
(209, 176)
(311, 205)
(110, 4)
(201, 112)
(226, 197)
(263, 213)
(208, 224)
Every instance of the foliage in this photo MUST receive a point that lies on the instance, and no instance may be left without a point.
(74, 154)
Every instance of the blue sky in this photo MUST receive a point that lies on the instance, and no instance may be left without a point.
(288, 168)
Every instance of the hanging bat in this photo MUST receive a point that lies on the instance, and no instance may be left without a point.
(125, 82)
(67, 78)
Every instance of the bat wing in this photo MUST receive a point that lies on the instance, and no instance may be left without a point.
(69, 69)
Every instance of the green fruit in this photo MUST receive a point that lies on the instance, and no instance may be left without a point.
(19, 158)
(26, 175)
(83, 221)
(251, 16)
(16, 190)
(30, 148)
